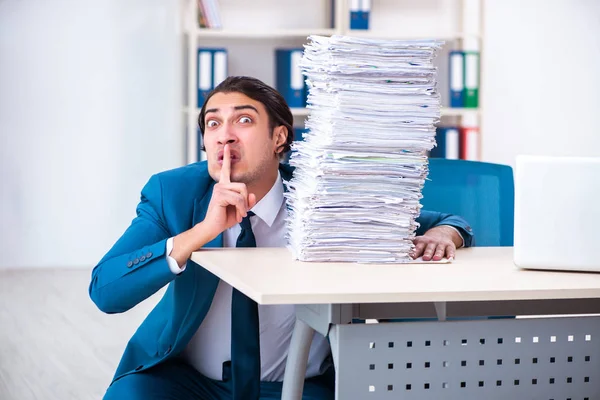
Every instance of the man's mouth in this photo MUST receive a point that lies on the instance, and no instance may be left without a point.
(234, 156)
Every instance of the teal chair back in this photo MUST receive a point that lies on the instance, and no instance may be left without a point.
(482, 193)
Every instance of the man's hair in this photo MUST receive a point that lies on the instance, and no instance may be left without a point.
(276, 106)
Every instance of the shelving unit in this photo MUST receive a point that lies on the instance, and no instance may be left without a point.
(251, 33)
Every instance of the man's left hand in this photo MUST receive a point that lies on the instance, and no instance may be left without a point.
(437, 243)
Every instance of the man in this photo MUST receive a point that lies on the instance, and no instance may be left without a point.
(191, 345)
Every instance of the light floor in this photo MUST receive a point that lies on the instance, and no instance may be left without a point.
(54, 343)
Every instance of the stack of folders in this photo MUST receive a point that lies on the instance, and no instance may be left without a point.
(362, 164)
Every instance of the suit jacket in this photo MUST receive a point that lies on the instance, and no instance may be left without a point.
(136, 266)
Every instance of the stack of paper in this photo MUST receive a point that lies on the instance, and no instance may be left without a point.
(359, 172)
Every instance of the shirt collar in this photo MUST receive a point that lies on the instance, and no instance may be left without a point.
(268, 207)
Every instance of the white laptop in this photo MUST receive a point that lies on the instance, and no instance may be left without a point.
(557, 213)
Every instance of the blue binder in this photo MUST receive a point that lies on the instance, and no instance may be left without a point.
(359, 14)
(456, 78)
(212, 70)
(289, 80)
(447, 139)
(298, 134)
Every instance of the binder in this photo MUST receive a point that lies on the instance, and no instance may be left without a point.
(471, 90)
(469, 138)
(219, 67)
(456, 78)
(298, 134)
(212, 70)
(447, 139)
(359, 14)
(205, 73)
(289, 80)
(365, 11)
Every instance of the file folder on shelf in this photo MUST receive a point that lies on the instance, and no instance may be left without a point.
(447, 138)
(289, 80)
(456, 78)
(212, 70)
(469, 139)
(471, 79)
(359, 14)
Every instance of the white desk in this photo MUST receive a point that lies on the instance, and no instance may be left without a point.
(480, 282)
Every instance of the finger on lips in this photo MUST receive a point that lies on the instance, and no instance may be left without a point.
(225, 176)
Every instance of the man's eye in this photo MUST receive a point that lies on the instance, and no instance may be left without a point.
(245, 120)
(211, 123)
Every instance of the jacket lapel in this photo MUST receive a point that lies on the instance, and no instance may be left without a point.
(204, 284)
(200, 208)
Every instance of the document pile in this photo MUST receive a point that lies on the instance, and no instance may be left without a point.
(360, 170)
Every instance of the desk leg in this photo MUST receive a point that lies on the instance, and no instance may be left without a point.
(295, 367)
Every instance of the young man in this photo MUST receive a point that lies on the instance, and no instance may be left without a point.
(205, 340)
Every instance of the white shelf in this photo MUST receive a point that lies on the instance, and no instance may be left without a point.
(458, 112)
(399, 35)
(300, 112)
(295, 111)
(279, 33)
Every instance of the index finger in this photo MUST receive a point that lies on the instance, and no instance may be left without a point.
(226, 166)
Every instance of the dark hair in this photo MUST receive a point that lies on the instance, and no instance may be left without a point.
(276, 106)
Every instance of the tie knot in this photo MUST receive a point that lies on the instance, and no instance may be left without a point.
(245, 224)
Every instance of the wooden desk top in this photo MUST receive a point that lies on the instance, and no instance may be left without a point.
(271, 276)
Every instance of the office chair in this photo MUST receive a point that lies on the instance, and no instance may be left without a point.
(480, 192)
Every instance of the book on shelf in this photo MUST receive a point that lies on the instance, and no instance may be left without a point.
(209, 15)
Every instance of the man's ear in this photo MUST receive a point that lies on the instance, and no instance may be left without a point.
(280, 133)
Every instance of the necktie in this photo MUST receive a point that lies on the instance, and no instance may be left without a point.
(245, 341)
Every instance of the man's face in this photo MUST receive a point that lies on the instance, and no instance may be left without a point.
(243, 123)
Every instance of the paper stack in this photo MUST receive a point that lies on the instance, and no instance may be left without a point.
(360, 170)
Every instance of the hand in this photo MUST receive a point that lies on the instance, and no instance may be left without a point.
(437, 243)
(229, 203)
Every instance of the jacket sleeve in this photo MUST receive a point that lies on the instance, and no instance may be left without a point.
(136, 266)
(430, 219)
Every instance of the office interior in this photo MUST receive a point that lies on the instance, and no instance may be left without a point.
(97, 96)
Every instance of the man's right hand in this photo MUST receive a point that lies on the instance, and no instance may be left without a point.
(230, 202)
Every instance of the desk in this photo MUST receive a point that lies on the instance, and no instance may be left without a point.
(480, 282)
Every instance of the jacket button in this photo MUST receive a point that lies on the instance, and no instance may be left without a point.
(139, 367)
(469, 229)
(142, 258)
(129, 264)
(136, 261)
(149, 254)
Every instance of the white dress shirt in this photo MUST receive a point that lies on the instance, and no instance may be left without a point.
(211, 345)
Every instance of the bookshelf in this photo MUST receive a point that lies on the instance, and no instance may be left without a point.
(252, 33)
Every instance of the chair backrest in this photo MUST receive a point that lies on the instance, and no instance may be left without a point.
(482, 193)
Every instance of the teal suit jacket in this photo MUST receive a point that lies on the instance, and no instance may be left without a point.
(136, 266)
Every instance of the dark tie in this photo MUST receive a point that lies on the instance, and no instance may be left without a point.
(245, 341)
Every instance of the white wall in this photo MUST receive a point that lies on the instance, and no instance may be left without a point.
(540, 78)
(89, 109)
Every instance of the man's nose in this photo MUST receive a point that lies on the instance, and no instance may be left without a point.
(227, 134)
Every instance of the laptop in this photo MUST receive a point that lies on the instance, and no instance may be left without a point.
(557, 213)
